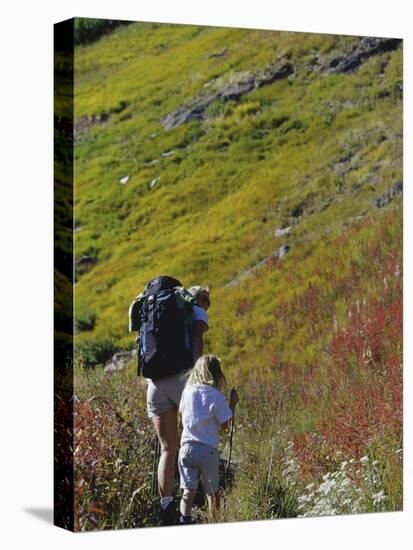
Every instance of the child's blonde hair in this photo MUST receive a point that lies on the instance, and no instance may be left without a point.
(200, 293)
(207, 370)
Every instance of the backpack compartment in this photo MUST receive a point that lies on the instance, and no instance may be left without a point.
(164, 316)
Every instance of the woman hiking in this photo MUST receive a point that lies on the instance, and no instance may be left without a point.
(163, 397)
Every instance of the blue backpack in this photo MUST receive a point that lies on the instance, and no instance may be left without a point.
(163, 314)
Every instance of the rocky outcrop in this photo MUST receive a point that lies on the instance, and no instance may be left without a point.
(154, 182)
(368, 46)
(388, 196)
(218, 54)
(282, 231)
(83, 124)
(120, 360)
(343, 63)
(277, 255)
(197, 109)
(84, 264)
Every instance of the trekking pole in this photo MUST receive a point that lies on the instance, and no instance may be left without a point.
(230, 446)
(230, 439)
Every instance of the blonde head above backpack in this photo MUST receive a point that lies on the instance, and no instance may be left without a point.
(201, 295)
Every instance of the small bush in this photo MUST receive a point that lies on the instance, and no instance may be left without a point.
(220, 109)
(248, 108)
(86, 321)
(96, 352)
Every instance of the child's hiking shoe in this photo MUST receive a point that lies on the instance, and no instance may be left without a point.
(186, 520)
(169, 516)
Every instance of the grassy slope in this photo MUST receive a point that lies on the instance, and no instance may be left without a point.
(216, 207)
(232, 181)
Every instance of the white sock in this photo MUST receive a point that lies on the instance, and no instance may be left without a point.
(165, 501)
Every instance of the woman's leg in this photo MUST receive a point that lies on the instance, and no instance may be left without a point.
(166, 426)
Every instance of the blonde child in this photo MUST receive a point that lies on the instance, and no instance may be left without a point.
(204, 411)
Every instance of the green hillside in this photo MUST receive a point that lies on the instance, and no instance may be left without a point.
(274, 158)
(282, 192)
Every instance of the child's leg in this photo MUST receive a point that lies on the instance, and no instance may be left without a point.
(189, 474)
(214, 505)
(187, 501)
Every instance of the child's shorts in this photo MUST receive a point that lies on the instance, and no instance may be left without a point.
(198, 460)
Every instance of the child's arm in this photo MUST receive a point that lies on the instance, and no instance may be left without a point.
(233, 400)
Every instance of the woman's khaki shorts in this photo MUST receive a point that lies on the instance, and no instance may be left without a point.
(165, 393)
(195, 461)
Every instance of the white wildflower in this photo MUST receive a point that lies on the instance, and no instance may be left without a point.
(338, 493)
(379, 497)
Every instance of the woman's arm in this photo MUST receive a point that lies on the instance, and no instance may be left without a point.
(198, 329)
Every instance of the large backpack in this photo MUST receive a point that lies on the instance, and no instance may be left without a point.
(163, 314)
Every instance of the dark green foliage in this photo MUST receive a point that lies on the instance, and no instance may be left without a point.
(86, 321)
(279, 500)
(90, 30)
(96, 352)
(220, 108)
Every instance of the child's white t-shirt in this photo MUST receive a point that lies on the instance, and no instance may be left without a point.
(203, 409)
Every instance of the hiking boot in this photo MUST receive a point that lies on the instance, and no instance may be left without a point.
(169, 516)
(184, 521)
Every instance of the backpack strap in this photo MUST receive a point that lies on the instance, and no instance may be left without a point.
(150, 344)
(135, 313)
(185, 302)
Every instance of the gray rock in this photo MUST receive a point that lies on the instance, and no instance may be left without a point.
(345, 164)
(154, 182)
(277, 255)
(282, 251)
(368, 46)
(83, 264)
(388, 196)
(283, 231)
(168, 153)
(208, 84)
(85, 261)
(120, 360)
(197, 109)
(218, 54)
